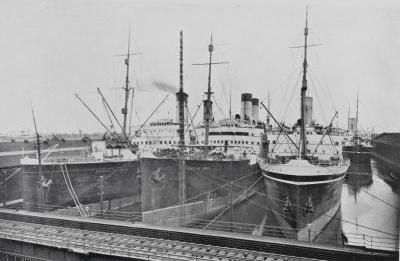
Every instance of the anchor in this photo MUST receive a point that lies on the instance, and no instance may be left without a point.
(157, 176)
(287, 208)
(309, 206)
(46, 184)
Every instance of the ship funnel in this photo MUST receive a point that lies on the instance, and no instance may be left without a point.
(246, 107)
(255, 109)
(352, 124)
(308, 104)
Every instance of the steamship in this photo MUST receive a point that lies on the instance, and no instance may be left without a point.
(14, 147)
(304, 186)
(357, 149)
(109, 168)
(197, 175)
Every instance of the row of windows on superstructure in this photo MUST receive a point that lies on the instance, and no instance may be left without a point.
(173, 132)
(202, 142)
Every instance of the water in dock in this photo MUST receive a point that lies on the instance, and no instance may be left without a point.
(371, 200)
(368, 216)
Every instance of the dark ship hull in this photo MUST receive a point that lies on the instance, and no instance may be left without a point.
(359, 175)
(206, 181)
(303, 205)
(121, 179)
(357, 154)
(11, 152)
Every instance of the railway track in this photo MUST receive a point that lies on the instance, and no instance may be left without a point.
(168, 242)
(85, 242)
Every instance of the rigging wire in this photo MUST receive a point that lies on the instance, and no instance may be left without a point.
(191, 122)
(285, 83)
(291, 97)
(327, 90)
(131, 109)
(319, 100)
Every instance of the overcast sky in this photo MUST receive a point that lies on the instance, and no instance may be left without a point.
(51, 49)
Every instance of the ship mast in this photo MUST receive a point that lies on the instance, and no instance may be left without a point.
(348, 119)
(207, 113)
(303, 137)
(269, 108)
(126, 89)
(357, 116)
(39, 156)
(356, 134)
(182, 100)
(208, 102)
(181, 97)
(230, 103)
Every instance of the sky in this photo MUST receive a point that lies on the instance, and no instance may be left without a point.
(50, 50)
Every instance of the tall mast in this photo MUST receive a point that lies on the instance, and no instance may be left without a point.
(126, 89)
(348, 119)
(303, 137)
(357, 116)
(230, 103)
(181, 97)
(207, 113)
(269, 108)
(39, 156)
(182, 101)
(208, 102)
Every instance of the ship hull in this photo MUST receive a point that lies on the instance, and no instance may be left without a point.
(303, 205)
(358, 155)
(359, 175)
(120, 179)
(206, 180)
(11, 154)
(10, 185)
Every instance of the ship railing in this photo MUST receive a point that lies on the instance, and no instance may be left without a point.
(77, 159)
(72, 159)
(372, 242)
(316, 162)
(246, 228)
(365, 241)
(97, 213)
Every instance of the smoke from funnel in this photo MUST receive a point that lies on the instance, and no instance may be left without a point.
(165, 87)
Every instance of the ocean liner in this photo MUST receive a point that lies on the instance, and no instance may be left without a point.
(357, 149)
(109, 170)
(304, 189)
(194, 179)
